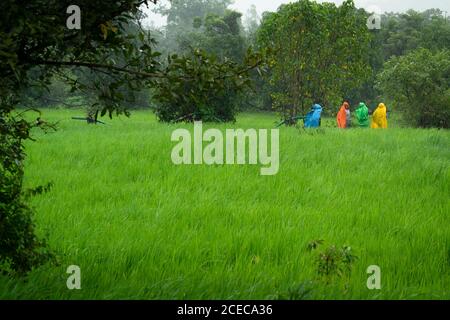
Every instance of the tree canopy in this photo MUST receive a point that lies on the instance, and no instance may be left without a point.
(319, 52)
(419, 85)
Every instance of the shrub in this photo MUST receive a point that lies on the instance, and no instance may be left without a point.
(20, 249)
(208, 94)
(418, 84)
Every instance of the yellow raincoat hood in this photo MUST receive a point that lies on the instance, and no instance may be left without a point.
(379, 117)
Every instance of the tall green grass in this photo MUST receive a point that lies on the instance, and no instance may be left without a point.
(141, 228)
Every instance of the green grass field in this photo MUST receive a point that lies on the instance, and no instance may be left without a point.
(140, 227)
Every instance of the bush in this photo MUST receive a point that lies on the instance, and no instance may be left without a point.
(418, 84)
(20, 249)
(207, 94)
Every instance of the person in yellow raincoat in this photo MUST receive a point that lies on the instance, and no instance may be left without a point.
(379, 117)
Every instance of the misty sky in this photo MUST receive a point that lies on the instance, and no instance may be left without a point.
(378, 6)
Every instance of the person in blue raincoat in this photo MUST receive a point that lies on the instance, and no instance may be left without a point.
(313, 119)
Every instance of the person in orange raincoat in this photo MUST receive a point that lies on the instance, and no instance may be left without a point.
(379, 117)
(342, 115)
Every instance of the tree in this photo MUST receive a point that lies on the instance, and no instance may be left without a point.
(93, 84)
(400, 34)
(211, 28)
(183, 12)
(436, 31)
(211, 96)
(182, 16)
(259, 98)
(55, 94)
(318, 52)
(220, 36)
(418, 84)
(34, 35)
(405, 32)
(252, 21)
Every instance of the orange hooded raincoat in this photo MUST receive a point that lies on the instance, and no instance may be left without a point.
(342, 117)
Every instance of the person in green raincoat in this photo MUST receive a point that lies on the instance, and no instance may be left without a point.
(362, 115)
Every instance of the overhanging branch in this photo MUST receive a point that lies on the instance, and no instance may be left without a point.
(93, 65)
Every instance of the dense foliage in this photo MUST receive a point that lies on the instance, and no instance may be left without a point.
(183, 17)
(400, 34)
(20, 249)
(210, 96)
(419, 85)
(320, 51)
(211, 28)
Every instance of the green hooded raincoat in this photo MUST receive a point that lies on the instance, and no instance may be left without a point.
(362, 114)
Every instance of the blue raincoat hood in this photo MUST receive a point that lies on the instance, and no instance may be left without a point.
(312, 119)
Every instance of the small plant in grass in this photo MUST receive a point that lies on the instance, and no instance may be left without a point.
(333, 262)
